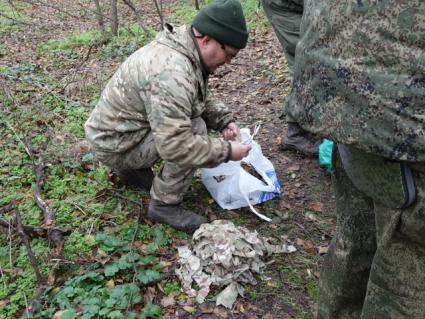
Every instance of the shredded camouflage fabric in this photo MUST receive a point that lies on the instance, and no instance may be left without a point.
(160, 88)
(360, 75)
(223, 254)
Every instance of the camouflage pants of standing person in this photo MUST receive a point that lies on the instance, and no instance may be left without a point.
(286, 24)
(375, 266)
(172, 182)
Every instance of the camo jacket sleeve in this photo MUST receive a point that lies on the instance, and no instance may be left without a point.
(170, 109)
(216, 114)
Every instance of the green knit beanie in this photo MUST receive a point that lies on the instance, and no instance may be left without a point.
(224, 21)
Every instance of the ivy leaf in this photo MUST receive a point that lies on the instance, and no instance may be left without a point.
(148, 260)
(111, 270)
(151, 311)
(124, 262)
(91, 305)
(108, 242)
(160, 237)
(149, 275)
(70, 314)
(116, 314)
(124, 296)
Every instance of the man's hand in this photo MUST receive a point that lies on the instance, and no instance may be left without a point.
(231, 132)
(239, 151)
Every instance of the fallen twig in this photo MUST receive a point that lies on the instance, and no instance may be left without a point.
(7, 208)
(54, 234)
(114, 193)
(40, 281)
(27, 244)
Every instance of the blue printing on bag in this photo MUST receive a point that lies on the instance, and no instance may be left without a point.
(265, 196)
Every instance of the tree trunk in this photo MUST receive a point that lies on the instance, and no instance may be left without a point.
(99, 15)
(114, 18)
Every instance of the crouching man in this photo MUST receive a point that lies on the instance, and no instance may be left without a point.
(157, 106)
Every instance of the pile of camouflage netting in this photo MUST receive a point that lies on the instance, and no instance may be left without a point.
(222, 254)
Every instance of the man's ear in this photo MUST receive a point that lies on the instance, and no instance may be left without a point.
(204, 41)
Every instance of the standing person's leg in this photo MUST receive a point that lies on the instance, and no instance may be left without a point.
(168, 189)
(396, 288)
(297, 139)
(286, 24)
(346, 267)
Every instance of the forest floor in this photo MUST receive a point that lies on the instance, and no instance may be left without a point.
(47, 92)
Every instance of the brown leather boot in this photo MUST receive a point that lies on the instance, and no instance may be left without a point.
(297, 139)
(142, 177)
(174, 215)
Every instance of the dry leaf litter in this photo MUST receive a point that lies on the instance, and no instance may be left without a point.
(222, 254)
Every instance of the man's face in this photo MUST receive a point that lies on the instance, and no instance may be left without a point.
(215, 54)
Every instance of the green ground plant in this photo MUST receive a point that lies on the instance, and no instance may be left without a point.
(129, 39)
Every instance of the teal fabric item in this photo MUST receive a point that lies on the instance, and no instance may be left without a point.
(325, 154)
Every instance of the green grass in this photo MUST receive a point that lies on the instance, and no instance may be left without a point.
(12, 17)
(254, 15)
(129, 39)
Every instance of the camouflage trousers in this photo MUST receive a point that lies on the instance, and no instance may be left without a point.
(173, 180)
(375, 267)
(286, 25)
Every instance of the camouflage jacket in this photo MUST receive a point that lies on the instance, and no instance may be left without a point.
(360, 75)
(161, 87)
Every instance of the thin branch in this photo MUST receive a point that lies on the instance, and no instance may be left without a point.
(7, 208)
(48, 213)
(13, 19)
(138, 15)
(105, 191)
(31, 256)
(31, 231)
(100, 16)
(158, 7)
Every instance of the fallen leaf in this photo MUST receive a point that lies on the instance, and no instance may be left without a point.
(189, 309)
(272, 284)
(149, 295)
(207, 309)
(311, 216)
(168, 301)
(322, 250)
(231, 214)
(306, 245)
(16, 271)
(284, 205)
(317, 207)
(110, 283)
(293, 168)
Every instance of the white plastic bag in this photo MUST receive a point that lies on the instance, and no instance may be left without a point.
(232, 187)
